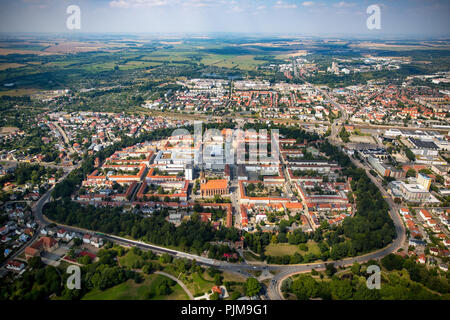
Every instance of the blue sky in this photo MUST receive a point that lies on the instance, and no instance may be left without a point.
(249, 16)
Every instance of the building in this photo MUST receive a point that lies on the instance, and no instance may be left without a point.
(188, 172)
(414, 192)
(213, 187)
(424, 181)
(15, 265)
(87, 238)
(378, 166)
(424, 148)
(397, 173)
(241, 173)
(425, 215)
(43, 244)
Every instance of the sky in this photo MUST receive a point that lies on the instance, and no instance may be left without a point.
(398, 17)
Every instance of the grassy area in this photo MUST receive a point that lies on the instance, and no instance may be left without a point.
(129, 259)
(228, 276)
(282, 249)
(313, 248)
(244, 62)
(5, 66)
(250, 256)
(130, 290)
(18, 92)
(197, 284)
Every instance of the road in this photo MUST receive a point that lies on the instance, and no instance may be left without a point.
(65, 138)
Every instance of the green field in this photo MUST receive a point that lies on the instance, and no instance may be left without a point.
(244, 62)
(282, 249)
(198, 284)
(130, 290)
(250, 256)
(312, 248)
(129, 259)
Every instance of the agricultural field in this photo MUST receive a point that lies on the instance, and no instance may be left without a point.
(6, 66)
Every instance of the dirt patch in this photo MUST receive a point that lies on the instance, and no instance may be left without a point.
(4, 52)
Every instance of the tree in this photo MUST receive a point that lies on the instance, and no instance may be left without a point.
(364, 293)
(356, 268)
(84, 260)
(344, 135)
(305, 287)
(214, 296)
(235, 295)
(411, 173)
(330, 269)
(410, 155)
(148, 268)
(282, 238)
(297, 236)
(165, 258)
(341, 289)
(163, 289)
(35, 262)
(218, 279)
(252, 287)
(392, 262)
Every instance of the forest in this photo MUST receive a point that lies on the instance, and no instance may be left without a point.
(191, 236)
(401, 279)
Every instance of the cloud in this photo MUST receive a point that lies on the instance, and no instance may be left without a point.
(308, 3)
(283, 5)
(344, 4)
(161, 3)
(137, 3)
(41, 4)
(237, 9)
(201, 3)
